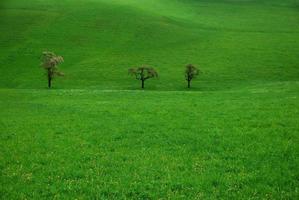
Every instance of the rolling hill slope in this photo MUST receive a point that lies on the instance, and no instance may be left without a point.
(96, 135)
(234, 42)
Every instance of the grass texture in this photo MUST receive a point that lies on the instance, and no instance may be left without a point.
(96, 135)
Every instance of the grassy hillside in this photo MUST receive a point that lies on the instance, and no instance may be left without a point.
(235, 42)
(135, 145)
(95, 135)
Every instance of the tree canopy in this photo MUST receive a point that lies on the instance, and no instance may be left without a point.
(50, 62)
(143, 73)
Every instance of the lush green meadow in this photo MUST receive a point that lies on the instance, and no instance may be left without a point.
(96, 135)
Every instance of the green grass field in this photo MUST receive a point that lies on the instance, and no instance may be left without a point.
(96, 135)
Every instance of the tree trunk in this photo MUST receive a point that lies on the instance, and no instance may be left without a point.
(49, 82)
(49, 79)
(142, 84)
(189, 85)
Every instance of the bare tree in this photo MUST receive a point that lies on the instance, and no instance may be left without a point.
(143, 73)
(50, 61)
(190, 72)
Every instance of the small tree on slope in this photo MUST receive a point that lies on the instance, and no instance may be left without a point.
(190, 72)
(50, 61)
(143, 73)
